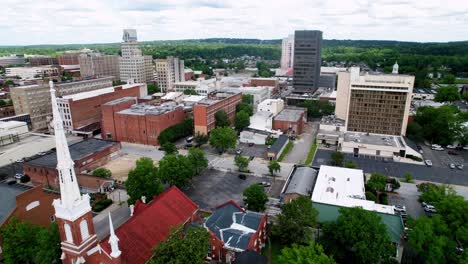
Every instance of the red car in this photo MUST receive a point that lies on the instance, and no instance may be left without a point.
(451, 152)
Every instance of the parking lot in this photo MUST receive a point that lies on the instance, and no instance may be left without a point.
(258, 151)
(408, 196)
(213, 188)
(397, 169)
(443, 159)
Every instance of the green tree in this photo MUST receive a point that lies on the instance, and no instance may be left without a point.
(465, 96)
(449, 79)
(255, 198)
(295, 223)
(222, 119)
(350, 164)
(175, 132)
(117, 83)
(190, 92)
(242, 120)
(415, 132)
(169, 148)
(102, 172)
(143, 181)
(408, 177)
(24, 242)
(242, 107)
(198, 160)
(310, 254)
(337, 159)
(153, 88)
(248, 99)
(273, 167)
(358, 236)
(223, 138)
(176, 170)
(241, 162)
(2, 102)
(183, 247)
(200, 139)
(377, 182)
(447, 94)
(8, 83)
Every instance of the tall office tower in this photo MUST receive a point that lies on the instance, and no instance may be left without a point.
(307, 60)
(168, 72)
(134, 67)
(287, 53)
(374, 103)
(98, 65)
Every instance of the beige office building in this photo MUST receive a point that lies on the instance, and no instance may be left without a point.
(374, 103)
(168, 72)
(98, 65)
(134, 67)
(35, 99)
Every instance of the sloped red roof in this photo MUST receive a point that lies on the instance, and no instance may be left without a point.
(151, 224)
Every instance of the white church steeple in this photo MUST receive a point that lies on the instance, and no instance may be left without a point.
(71, 203)
(113, 240)
(395, 68)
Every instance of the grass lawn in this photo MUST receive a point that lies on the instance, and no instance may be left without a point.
(311, 154)
(461, 81)
(275, 251)
(286, 150)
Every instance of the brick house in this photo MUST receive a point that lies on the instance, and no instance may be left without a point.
(234, 230)
(291, 120)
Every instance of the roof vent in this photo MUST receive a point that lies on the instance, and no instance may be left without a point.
(329, 189)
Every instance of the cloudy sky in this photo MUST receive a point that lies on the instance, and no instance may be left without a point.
(26, 22)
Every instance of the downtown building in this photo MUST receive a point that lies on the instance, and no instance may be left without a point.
(134, 67)
(99, 65)
(307, 60)
(168, 72)
(287, 53)
(35, 99)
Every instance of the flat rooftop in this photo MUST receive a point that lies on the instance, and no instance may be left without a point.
(78, 151)
(332, 120)
(8, 195)
(145, 109)
(424, 91)
(374, 139)
(98, 92)
(344, 187)
(215, 97)
(290, 114)
(121, 100)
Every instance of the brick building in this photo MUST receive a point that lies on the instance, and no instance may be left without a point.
(122, 120)
(204, 111)
(234, 229)
(81, 112)
(7, 111)
(87, 155)
(70, 59)
(291, 120)
(39, 61)
(271, 82)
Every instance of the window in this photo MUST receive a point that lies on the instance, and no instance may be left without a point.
(68, 233)
(84, 230)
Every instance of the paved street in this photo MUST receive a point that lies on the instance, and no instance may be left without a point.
(302, 145)
(397, 169)
(408, 196)
(101, 223)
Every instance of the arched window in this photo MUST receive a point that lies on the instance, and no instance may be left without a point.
(68, 233)
(84, 230)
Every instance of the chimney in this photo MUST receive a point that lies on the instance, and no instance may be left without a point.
(143, 199)
(132, 209)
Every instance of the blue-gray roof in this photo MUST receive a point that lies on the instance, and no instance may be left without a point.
(8, 195)
(279, 143)
(233, 226)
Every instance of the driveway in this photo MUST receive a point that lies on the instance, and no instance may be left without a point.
(302, 145)
(408, 196)
(398, 169)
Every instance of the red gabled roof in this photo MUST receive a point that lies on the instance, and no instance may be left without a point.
(151, 224)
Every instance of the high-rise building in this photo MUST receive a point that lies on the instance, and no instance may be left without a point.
(98, 65)
(35, 99)
(374, 103)
(17, 59)
(134, 67)
(68, 59)
(307, 60)
(287, 53)
(168, 72)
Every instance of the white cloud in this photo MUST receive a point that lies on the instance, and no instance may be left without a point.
(25, 22)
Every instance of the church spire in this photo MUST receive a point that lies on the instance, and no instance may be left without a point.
(395, 68)
(113, 240)
(69, 190)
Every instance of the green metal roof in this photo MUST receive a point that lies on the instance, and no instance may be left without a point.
(394, 223)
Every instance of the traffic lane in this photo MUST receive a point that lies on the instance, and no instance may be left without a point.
(397, 169)
(11, 169)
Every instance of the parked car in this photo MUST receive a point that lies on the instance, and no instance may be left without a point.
(451, 146)
(41, 153)
(251, 144)
(430, 208)
(188, 145)
(238, 151)
(438, 148)
(465, 147)
(460, 166)
(11, 182)
(452, 152)
(242, 176)
(428, 163)
(424, 204)
(399, 208)
(403, 214)
(452, 166)
(18, 175)
(265, 184)
(19, 160)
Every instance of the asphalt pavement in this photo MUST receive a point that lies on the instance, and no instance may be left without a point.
(398, 169)
(302, 145)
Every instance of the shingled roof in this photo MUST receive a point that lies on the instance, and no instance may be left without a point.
(151, 224)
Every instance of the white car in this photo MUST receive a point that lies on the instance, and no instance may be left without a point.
(18, 175)
(452, 166)
(451, 147)
(428, 163)
(436, 146)
(399, 208)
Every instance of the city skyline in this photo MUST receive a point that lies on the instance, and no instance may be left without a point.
(55, 22)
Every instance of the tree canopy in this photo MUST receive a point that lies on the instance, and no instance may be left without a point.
(197, 158)
(102, 172)
(223, 138)
(242, 120)
(337, 159)
(255, 198)
(143, 180)
(318, 108)
(175, 132)
(241, 162)
(299, 254)
(169, 148)
(181, 246)
(176, 170)
(222, 119)
(358, 236)
(273, 167)
(295, 221)
(447, 94)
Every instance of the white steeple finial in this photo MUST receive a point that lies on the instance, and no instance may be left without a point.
(71, 204)
(395, 68)
(113, 240)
